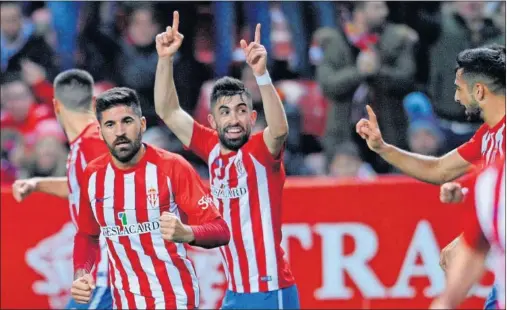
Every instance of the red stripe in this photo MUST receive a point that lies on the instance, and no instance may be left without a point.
(186, 277)
(99, 210)
(116, 295)
(255, 216)
(236, 231)
(137, 268)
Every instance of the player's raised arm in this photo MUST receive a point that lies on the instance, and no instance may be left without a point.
(167, 104)
(56, 186)
(278, 128)
(436, 170)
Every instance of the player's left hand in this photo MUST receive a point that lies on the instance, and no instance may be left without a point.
(255, 53)
(452, 192)
(174, 230)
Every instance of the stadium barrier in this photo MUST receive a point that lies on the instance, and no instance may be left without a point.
(350, 245)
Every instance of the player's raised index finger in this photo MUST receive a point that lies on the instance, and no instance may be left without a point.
(176, 20)
(371, 115)
(258, 34)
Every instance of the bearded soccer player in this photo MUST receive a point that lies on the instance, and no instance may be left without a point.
(73, 97)
(480, 88)
(246, 173)
(147, 203)
(484, 232)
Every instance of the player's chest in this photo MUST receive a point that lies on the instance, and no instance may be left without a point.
(493, 145)
(132, 202)
(232, 178)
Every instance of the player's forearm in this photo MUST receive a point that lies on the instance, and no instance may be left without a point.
(86, 248)
(211, 235)
(274, 111)
(424, 168)
(166, 98)
(465, 270)
(56, 186)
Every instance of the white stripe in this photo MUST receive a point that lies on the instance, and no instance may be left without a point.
(118, 283)
(501, 213)
(140, 301)
(246, 227)
(99, 292)
(135, 239)
(73, 182)
(92, 184)
(484, 200)
(103, 264)
(267, 224)
(232, 245)
(280, 299)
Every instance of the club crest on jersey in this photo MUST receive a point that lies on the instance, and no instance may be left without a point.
(240, 168)
(152, 197)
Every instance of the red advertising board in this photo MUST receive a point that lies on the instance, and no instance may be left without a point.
(350, 245)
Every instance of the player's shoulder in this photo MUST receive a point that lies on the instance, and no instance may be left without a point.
(97, 164)
(254, 142)
(168, 162)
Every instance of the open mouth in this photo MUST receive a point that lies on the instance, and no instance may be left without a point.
(234, 132)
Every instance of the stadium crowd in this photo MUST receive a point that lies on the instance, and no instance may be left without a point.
(404, 71)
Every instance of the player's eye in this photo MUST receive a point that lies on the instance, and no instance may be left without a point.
(109, 125)
(224, 112)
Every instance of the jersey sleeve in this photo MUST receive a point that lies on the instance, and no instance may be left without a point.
(471, 150)
(257, 146)
(192, 196)
(86, 241)
(203, 141)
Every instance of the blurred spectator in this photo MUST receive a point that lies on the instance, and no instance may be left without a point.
(19, 41)
(11, 155)
(366, 60)
(131, 59)
(20, 112)
(347, 163)
(463, 26)
(424, 134)
(49, 157)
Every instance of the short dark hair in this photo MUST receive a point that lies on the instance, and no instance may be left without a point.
(118, 96)
(11, 77)
(74, 89)
(484, 65)
(229, 87)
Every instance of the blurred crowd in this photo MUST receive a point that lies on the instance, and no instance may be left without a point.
(327, 59)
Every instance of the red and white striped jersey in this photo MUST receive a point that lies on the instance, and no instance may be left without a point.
(125, 206)
(247, 187)
(487, 221)
(83, 149)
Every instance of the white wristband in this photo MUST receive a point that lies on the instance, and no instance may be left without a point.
(264, 79)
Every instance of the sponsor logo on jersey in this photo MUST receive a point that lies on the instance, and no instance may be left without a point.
(129, 229)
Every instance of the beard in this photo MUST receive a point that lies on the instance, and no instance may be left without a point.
(236, 143)
(127, 151)
(473, 111)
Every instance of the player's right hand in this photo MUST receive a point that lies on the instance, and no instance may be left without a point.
(369, 130)
(22, 188)
(169, 42)
(452, 192)
(82, 289)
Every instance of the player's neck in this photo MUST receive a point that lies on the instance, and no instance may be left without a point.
(133, 162)
(75, 123)
(224, 150)
(494, 111)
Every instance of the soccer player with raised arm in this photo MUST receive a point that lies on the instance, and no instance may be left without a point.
(73, 99)
(484, 233)
(480, 88)
(246, 173)
(147, 203)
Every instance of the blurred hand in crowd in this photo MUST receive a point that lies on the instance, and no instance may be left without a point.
(32, 73)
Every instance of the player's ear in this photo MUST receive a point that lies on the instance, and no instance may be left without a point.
(143, 124)
(56, 106)
(253, 117)
(211, 121)
(479, 92)
(94, 104)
